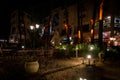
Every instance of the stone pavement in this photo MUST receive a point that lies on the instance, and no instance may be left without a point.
(111, 69)
(14, 70)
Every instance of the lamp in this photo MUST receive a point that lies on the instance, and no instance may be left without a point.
(34, 28)
(89, 57)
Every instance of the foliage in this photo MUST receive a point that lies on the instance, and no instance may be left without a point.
(64, 50)
(112, 53)
(64, 47)
(114, 50)
(96, 50)
(82, 48)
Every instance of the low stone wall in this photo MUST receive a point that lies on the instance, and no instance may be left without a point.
(39, 52)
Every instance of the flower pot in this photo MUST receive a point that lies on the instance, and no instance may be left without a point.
(31, 67)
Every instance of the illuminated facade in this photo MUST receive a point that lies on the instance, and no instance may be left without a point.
(67, 25)
(72, 23)
(111, 25)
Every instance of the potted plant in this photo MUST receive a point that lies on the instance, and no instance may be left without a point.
(31, 64)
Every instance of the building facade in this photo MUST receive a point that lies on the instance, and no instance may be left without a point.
(20, 22)
(71, 23)
(68, 18)
(78, 18)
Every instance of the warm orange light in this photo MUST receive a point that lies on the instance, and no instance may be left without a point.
(66, 27)
(100, 16)
(101, 11)
(91, 31)
(91, 21)
(79, 35)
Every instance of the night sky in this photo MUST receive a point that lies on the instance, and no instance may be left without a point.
(38, 8)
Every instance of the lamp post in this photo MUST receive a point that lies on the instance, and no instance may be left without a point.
(76, 52)
(33, 29)
(89, 57)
